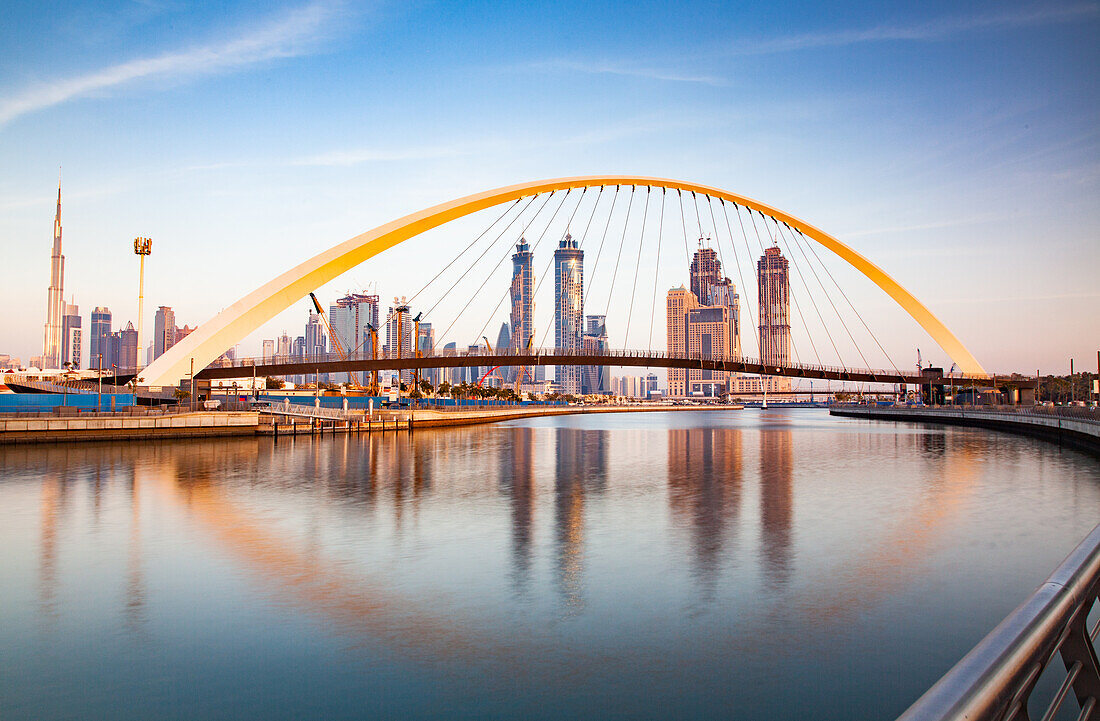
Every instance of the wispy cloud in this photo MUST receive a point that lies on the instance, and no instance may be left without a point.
(626, 69)
(481, 147)
(358, 156)
(291, 34)
(927, 31)
(932, 30)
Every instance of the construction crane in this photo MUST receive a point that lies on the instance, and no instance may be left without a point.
(373, 386)
(335, 339)
(523, 369)
(416, 349)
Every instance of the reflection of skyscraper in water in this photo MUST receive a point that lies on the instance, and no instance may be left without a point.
(704, 480)
(517, 482)
(135, 578)
(776, 504)
(54, 499)
(580, 467)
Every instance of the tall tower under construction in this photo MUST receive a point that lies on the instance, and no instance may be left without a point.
(55, 304)
(773, 287)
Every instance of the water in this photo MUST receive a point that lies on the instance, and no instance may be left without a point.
(774, 565)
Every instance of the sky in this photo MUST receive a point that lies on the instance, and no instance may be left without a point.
(957, 145)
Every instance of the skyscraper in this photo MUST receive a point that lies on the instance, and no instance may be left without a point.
(315, 338)
(595, 379)
(706, 272)
(454, 376)
(426, 344)
(127, 347)
(773, 288)
(164, 330)
(704, 321)
(71, 340)
(523, 302)
(284, 347)
(99, 331)
(504, 344)
(350, 317)
(568, 309)
(677, 304)
(55, 303)
(399, 334)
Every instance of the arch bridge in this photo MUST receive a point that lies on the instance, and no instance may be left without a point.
(212, 338)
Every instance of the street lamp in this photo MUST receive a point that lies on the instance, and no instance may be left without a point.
(142, 248)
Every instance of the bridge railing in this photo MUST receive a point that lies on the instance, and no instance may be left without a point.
(545, 354)
(1091, 415)
(995, 681)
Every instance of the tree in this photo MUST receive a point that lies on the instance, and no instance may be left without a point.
(273, 383)
(181, 394)
(444, 388)
(425, 387)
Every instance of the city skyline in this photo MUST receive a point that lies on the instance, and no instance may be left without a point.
(904, 174)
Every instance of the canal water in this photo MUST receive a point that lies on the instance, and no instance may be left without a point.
(777, 564)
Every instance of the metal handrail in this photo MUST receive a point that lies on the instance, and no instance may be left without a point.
(995, 680)
(527, 353)
(1088, 415)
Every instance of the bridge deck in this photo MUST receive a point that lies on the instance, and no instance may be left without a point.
(644, 359)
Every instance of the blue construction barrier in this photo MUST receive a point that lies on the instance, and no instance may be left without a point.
(47, 402)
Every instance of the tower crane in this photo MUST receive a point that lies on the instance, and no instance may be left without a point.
(335, 339)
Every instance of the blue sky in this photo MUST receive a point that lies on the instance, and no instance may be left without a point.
(956, 144)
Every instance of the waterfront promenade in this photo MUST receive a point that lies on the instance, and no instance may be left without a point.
(296, 420)
(1069, 425)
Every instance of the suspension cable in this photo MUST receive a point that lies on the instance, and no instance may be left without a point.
(507, 250)
(478, 260)
(599, 251)
(622, 240)
(850, 304)
(824, 290)
(546, 270)
(389, 316)
(843, 324)
(740, 276)
(794, 298)
(806, 285)
(698, 219)
(790, 336)
(741, 223)
(637, 264)
(683, 226)
(533, 249)
(475, 240)
(657, 269)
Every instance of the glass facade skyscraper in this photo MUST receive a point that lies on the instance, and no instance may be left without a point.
(523, 302)
(568, 309)
(98, 334)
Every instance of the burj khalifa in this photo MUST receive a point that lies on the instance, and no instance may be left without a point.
(55, 305)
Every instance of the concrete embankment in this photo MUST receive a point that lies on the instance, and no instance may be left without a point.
(1079, 430)
(127, 427)
(136, 426)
